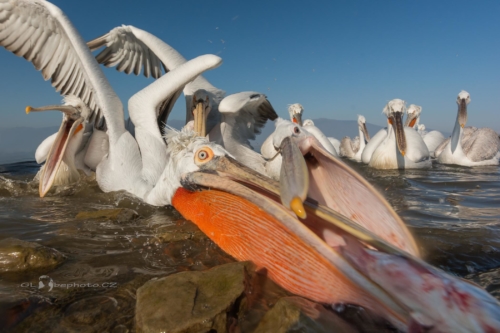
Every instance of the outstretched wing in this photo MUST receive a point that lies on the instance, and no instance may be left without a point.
(40, 32)
(128, 53)
(130, 49)
(244, 115)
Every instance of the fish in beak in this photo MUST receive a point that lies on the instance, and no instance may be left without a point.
(436, 301)
(396, 121)
(71, 124)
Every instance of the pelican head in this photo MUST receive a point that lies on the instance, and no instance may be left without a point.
(295, 111)
(362, 127)
(463, 100)
(395, 110)
(308, 122)
(413, 113)
(201, 107)
(75, 113)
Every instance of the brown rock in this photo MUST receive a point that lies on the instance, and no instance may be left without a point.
(190, 302)
(297, 314)
(17, 256)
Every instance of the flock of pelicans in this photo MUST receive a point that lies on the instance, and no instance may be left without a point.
(467, 146)
(318, 227)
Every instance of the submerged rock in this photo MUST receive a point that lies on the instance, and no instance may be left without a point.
(297, 314)
(191, 301)
(118, 215)
(17, 256)
(175, 233)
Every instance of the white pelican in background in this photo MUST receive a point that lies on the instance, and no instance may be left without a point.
(432, 139)
(271, 153)
(231, 121)
(296, 110)
(354, 149)
(335, 143)
(309, 122)
(469, 146)
(421, 130)
(403, 147)
(370, 147)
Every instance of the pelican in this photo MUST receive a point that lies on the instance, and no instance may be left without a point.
(371, 146)
(296, 110)
(82, 151)
(321, 256)
(42, 34)
(354, 149)
(270, 152)
(309, 122)
(402, 148)
(432, 139)
(469, 146)
(239, 210)
(231, 121)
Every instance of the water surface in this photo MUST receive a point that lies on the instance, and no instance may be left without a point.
(454, 213)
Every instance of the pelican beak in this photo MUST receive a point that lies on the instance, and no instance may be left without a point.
(297, 119)
(462, 113)
(397, 124)
(365, 132)
(71, 124)
(200, 116)
(294, 178)
(240, 211)
(411, 120)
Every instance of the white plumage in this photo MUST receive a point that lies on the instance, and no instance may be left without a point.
(431, 139)
(469, 146)
(353, 149)
(402, 147)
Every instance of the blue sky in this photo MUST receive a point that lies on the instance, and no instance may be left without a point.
(337, 58)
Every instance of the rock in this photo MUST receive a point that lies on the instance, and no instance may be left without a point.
(297, 314)
(17, 256)
(119, 215)
(89, 312)
(175, 233)
(191, 302)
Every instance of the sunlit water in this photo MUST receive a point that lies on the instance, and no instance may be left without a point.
(454, 213)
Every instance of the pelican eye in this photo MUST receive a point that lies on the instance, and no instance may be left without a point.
(203, 155)
(296, 130)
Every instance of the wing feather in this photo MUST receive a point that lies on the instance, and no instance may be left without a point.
(32, 30)
(128, 53)
(482, 144)
(245, 114)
